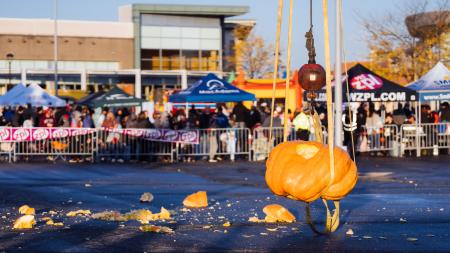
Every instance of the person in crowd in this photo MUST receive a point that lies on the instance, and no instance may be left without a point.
(17, 118)
(350, 126)
(47, 119)
(205, 118)
(98, 117)
(240, 114)
(29, 112)
(28, 122)
(178, 120)
(64, 121)
(157, 120)
(221, 120)
(131, 121)
(87, 118)
(254, 118)
(407, 110)
(425, 114)
(225, 109)
(445, 112)
(302, 125)
(193, 118)
(399, 116)
(3, 121)
(165, 123)
(276, 120)
(143, 121)
(119, 116)
(8, 113)
(110, 121)
(373, 125)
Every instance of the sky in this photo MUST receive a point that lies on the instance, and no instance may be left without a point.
(263, 11)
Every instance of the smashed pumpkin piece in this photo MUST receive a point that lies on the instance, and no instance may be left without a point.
(164, 214)
(255, 219)
(146, 197)
(196, 200)
(52, 223)
(26, 221)
(142, 215)
(25, 209)
(78, 212)
(109, 216)
(278, 213)
(156, 229)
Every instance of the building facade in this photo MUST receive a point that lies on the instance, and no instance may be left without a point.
(151, 48)
(432, 24)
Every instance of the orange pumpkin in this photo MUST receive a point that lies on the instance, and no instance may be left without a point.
(300, 170)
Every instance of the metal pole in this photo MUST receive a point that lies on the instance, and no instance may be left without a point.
(55, 46)
(338, 78)
(9, 75)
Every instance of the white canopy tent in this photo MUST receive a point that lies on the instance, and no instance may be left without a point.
(15, 91)
(434, 85)
(36, 96)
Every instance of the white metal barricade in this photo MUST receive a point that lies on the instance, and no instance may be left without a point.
(53, 143)
(385, 139)
(227, 143)
(429, 136)
(261, 146)
(118, 145)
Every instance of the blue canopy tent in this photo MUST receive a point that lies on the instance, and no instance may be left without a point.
(213, 90)
(433, 86)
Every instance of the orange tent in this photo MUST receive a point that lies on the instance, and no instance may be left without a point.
(262, 88)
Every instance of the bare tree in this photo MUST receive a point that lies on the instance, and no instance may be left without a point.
(406, 43)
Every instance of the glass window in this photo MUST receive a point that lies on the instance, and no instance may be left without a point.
(149, 53)
(191, 59)
(170, 32)
(151, 43)
(190, 32)
(192, 44)
(210, 33)
(207, 44)
(150, 31)
(170, 60)
(210, 61)
(147, 65)
(170, 43)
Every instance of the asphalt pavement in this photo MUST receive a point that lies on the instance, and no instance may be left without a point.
(398, 205)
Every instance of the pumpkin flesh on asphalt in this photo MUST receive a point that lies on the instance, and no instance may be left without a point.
(278, 213)
(300, 170)
(196, 200)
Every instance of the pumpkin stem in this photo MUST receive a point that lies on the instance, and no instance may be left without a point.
(332, 221)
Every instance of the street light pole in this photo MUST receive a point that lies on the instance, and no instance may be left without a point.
(55, 47)
(338, 79)
(9, 56)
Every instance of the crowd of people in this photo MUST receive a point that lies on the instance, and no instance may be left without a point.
(363, 126)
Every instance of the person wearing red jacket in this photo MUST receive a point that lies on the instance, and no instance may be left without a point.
(47, 119)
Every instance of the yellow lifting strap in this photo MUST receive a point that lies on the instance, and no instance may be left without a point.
(332, 221)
